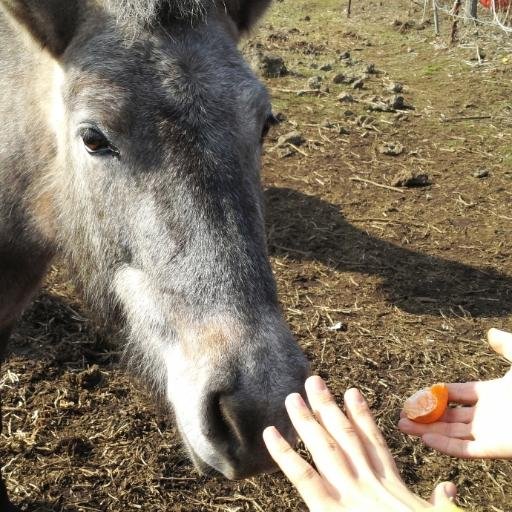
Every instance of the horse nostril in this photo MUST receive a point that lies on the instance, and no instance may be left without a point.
(235, 415)
(221, 427)
(231, 427)
(214, 421)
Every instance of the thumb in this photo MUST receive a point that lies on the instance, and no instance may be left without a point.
(443, 494)
(501, 342)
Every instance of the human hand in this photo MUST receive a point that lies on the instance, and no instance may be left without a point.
(355, 469)
(481, 429)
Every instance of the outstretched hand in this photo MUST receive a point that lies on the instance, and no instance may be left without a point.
(355, 469)
(480, 427)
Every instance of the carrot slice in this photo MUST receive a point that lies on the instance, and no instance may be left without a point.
(427, 405)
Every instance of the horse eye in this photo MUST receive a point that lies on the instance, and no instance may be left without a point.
(270, 121)
(96, 143)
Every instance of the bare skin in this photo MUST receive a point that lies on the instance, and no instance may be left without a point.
(480, 426)
(355, 469)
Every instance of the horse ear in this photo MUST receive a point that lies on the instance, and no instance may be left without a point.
(51, 23)
(245, 13)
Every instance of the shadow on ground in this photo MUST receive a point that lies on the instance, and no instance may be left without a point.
(309, 229)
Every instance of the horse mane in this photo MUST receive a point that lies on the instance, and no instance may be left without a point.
(151, 12)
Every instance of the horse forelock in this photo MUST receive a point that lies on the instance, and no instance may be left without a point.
(149, 12)
(146, 13)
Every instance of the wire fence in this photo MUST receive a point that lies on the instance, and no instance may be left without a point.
(471, 23)
(484, 13)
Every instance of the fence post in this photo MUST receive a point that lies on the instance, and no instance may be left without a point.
(456, 11)
(425, 5)
(471, 9)
(436, 17)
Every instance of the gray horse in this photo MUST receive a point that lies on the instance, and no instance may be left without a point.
(130, 146)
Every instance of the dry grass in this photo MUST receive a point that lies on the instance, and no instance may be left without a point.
(415, 277)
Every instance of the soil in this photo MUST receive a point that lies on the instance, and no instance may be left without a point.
(386, 288)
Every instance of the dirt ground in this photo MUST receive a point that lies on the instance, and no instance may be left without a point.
(412, 275)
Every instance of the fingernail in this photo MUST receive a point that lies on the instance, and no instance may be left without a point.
(296, 400)
(273, 433)
(406, 426)
(317, 383)
(450, 490)
(427, 438)
(356, 395)
(496, 335)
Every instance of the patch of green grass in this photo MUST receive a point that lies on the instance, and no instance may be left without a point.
(432, 69)
(507, 160)
(289, 13)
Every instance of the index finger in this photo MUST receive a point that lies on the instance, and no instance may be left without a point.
(465, 393)
(301, 474)
(329, 457)
(373, 441)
